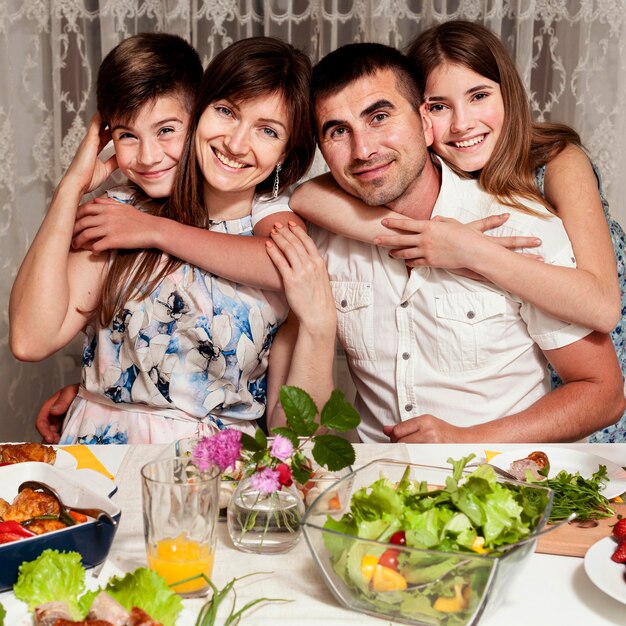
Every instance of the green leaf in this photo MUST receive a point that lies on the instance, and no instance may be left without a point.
(301, 469)
(288, 433)
(250, 443)
(53, 575)
(333, 452)
(260, 438)
(338, 414)
(3, 614)
(146, 589)
(300, 410)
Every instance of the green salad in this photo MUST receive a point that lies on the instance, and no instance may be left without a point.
(467, 521)
(60, 576)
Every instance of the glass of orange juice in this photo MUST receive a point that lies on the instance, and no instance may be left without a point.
(180, 512)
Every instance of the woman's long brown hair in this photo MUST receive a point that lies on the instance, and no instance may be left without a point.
(523, 145)
(247, 69)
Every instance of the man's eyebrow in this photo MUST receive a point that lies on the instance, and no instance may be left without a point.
(326, 126)
(379, 104)
(469, 92)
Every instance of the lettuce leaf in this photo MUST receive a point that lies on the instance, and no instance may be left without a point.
(3, 614)
(146, 589)
(60, 576)
(52, 576)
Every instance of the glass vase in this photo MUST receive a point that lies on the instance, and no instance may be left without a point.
(264, 523)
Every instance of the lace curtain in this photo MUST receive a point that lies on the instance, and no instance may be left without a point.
(571, 54)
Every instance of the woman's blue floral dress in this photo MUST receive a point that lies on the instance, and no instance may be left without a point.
(187, 359)
(617, 432)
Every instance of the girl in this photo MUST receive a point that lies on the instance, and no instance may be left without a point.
(482, 126)
(171, 349)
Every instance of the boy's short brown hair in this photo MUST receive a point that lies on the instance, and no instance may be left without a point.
(143, 68)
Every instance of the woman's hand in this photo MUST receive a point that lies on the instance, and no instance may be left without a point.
(446, 243)
(106, 224)
(86, 169)
(304, 277)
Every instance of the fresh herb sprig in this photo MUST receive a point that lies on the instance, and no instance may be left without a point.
(208, 612)
(575, 494)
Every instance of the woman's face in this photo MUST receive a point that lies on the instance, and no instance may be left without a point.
(467, 115)
(238, 144)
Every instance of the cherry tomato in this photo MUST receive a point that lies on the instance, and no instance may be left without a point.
(398, 538)
(389, 558)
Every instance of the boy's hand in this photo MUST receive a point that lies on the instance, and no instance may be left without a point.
(86, 168)
(49, 420)
(106, 224)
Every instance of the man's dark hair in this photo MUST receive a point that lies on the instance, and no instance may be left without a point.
(356, 60)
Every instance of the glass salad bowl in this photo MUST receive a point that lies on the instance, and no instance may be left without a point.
(425, 545)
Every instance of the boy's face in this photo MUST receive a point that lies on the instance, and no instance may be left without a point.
(148, 148)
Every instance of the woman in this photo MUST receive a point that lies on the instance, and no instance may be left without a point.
(482, 127)
(172, 350)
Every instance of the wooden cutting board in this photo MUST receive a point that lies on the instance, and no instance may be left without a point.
(574, 540)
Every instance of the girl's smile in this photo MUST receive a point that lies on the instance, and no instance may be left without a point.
(467, 114)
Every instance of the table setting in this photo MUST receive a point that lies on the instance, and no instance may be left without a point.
(552, 586)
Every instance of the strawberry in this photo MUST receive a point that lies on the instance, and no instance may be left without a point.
(619, 556)
(619, 530)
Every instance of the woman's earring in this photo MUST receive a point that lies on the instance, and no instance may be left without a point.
(276, 181)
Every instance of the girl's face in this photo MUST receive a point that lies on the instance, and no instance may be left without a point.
(149, 147)
(467, 115)
(238, 144)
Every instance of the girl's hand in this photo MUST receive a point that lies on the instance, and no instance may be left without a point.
(304, 277)
(446, 243)
(106, 224)
(86, 169)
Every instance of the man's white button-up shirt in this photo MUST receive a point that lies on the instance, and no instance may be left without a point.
(432, 341)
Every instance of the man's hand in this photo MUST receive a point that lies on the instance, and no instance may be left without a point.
(49, 421)
(106, 224)
(426, 429)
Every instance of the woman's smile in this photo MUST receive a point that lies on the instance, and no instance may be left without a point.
(238, 145)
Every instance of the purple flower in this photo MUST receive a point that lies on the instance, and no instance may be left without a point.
(265, 481)
(282, 448)
(222, 449)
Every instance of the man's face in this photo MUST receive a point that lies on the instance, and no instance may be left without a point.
(373, 140)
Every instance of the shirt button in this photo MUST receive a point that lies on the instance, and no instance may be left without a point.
(406, 355)
(471, 315)
(344, 304)
(404, 305)
(408, 407)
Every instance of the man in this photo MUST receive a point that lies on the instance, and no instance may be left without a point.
(436, 356)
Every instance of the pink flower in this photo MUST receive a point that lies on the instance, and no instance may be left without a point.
(222, 449)
(265, 480)
(282, 448)
(284, 475)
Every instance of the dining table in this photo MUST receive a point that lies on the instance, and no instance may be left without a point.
(549, 589)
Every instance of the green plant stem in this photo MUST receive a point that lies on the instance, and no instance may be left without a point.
(208, 612)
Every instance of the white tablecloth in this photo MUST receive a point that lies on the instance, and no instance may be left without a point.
(552, 590)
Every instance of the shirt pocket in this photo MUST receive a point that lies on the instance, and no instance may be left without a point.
(470, 330)
(355, 318)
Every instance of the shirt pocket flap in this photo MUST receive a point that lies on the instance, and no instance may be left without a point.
(351, 295)
(469, 308)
